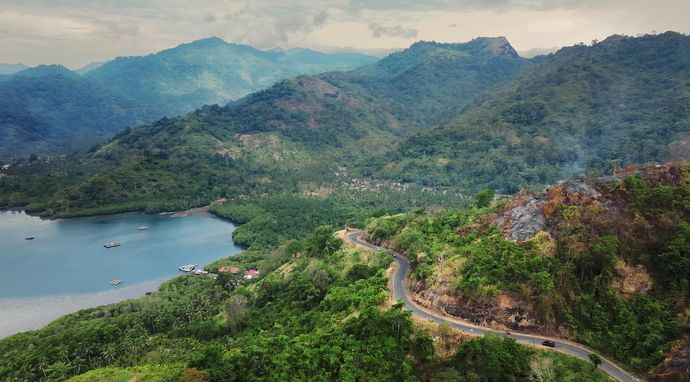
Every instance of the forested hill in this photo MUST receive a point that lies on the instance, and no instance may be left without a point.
(274, 140)
(623, 100)
(50, 109)
(211, 71)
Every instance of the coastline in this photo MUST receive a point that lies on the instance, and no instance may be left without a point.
(19, 314)
(22, 314)
(198, 211)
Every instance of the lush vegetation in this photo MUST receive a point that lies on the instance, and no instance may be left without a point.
(270, 220)
(611, 267)
(50, 109)
(299, 133)
(316, 314)
(583, 109)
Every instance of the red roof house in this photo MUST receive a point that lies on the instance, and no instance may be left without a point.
(250, 274)
(226, 269)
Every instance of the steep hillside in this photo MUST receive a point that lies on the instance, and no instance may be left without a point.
(50, 109)
(299, 130)
(211, 71)
(604, 261)
(624, 100)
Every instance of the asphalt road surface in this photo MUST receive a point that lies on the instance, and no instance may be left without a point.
(400, 293)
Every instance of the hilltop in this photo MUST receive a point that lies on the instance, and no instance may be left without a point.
(583, 109)
(51, 109)
(298, 131)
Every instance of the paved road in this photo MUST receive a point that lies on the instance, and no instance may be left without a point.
(400, 293)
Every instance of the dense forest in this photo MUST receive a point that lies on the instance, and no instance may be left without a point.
(50, 109)
(604, 262)
(620, 101)
(320, 311)
(302, 130)
(506, 123)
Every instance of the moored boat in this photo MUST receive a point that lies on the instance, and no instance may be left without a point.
(187, 268)
(116, 282)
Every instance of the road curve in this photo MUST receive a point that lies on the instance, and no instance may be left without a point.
(400, 293)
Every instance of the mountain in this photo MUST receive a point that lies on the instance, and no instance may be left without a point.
(52, 109)
(297, 132)
(89, 67)
(58, 110)
(7, 69)
(211, 71)
(604, 261)
(584, 108)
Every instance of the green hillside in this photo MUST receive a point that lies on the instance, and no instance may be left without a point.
(585, 108)
(211, 71)
(49, 109)
(301, 130)
(605, 262)
(318, 312)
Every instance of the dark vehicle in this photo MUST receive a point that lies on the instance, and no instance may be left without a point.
(548, 343)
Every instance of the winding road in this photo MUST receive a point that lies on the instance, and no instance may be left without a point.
(400, 293)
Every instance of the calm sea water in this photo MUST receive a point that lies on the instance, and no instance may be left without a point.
(67, 256)
(66, 268)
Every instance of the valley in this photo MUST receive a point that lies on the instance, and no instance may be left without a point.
(546, 197)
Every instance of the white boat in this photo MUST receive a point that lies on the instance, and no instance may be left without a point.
(187, 268)
(112, 245)
(142, 228)
(116, 282)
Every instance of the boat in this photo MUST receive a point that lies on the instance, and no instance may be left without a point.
(116, 282)
(199, 272)
(187, 268)
(29, 237)
(112, 245)
(142, 228)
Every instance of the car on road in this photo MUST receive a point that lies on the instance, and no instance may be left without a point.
(549, 343)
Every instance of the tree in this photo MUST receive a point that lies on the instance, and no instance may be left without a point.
(323, 242)
(235, 310)
(483, 199)
(595, 359)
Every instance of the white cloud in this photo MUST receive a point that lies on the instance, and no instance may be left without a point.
(75, 32)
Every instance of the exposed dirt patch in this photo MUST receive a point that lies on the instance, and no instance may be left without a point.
(630, 280)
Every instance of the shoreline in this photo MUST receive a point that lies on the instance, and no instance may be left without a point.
(195, 211)
(20, 314)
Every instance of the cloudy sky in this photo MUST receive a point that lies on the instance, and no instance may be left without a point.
(76, 32)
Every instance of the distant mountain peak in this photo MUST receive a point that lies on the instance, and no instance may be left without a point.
(497, 45)
(46, 70)
(208, 42)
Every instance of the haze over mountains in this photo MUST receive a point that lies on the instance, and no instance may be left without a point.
(50, 108)
(465, 116)
(300, 127)
(624, 99)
